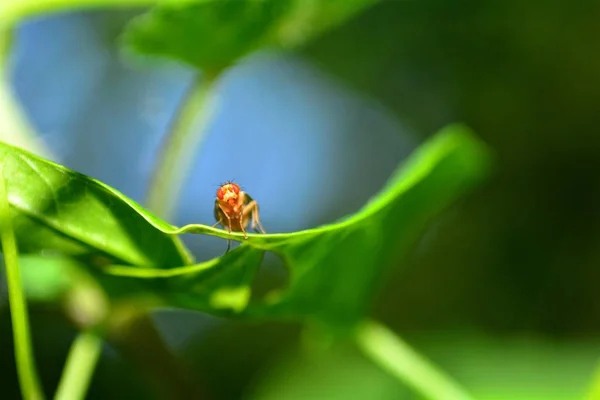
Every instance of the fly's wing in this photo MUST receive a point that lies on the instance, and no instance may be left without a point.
(247, 198)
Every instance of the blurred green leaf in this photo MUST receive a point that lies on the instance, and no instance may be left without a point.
(493, 368)
(527, 367)
(61, 280)
(55, 209)
(334, 269)
(213, 34)
(14, 11)
(326, 375)
(46, 278)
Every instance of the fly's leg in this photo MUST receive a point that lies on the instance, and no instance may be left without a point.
(242, 218)
(256, 222)
(228, 229)
(228, 240)
(252, 210)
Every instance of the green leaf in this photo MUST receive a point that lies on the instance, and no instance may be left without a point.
(213, 34)
(334, 269)
(56, 209)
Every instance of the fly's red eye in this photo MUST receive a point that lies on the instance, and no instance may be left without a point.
(220, 194)
(235, 188)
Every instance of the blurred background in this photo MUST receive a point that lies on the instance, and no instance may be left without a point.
(502, 290)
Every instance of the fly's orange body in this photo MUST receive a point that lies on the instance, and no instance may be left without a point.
(234, 208)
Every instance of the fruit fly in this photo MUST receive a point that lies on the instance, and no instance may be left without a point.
(234, 208)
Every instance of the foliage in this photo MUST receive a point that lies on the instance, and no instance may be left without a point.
(59, 210)
(212, 35)
(88, 247)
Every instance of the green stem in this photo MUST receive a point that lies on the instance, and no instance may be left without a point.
(88, 306)
(81, 362)
(396, 357)
(28, 379)
(180, 146)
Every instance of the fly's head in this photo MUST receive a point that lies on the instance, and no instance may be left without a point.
(228, 194)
